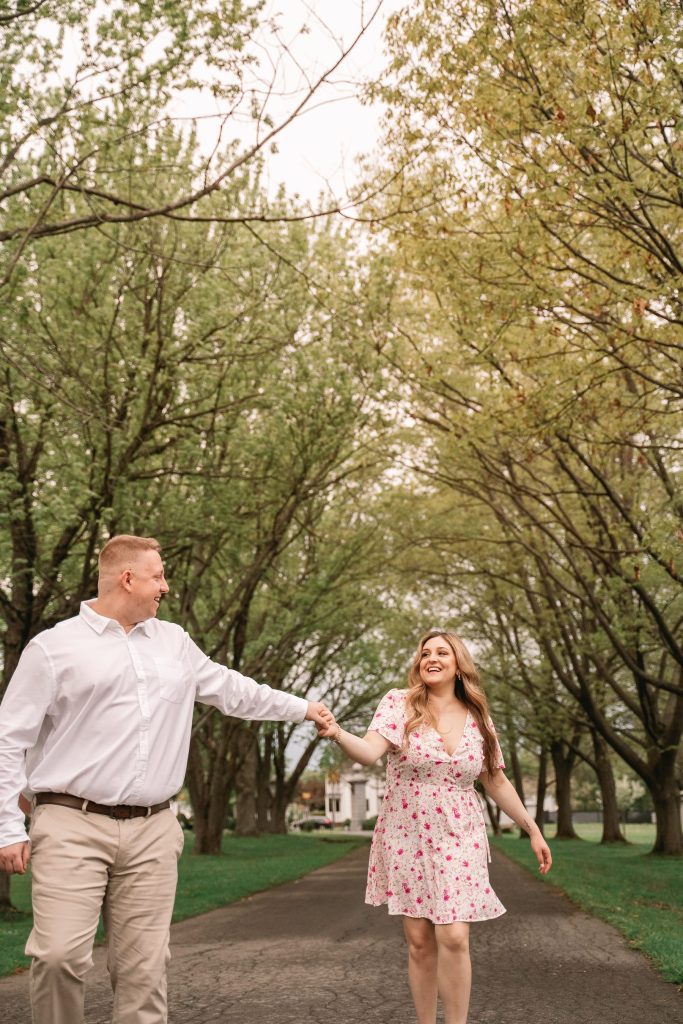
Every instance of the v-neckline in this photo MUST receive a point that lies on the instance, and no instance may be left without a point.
(456, 748)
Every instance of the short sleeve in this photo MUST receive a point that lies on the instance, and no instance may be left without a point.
(498, 756)
(389, 718)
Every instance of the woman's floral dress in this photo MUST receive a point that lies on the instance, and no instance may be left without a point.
(429, 855)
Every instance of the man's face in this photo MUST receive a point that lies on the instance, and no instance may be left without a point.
(147, 585)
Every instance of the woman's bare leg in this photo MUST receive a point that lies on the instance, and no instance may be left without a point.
(454, 970)
(422, 967)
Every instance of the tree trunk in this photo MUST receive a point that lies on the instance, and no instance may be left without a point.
(264, 802)
(264, 795)
(208, 832)
(210, 778)
(278, 813)
(284, 786)
(541, 787)
(667, 800)
(282, 796)
(517, 776)
(5, 901)
(494, 814)
(246, 814)
(611, 828)
(563, 764)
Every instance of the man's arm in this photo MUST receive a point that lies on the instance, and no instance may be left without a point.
(238, 695)
(22, 714)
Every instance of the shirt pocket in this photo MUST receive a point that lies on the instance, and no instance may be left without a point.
(173, 679)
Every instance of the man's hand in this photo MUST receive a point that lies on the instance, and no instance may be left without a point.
(14, 858)
(318, 713)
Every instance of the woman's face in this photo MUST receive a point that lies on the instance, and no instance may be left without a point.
(437, 662)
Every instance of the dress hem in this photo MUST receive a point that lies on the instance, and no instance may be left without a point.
(456, 920)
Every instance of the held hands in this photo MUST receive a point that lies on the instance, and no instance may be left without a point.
(543, 854)
(331, 728)
(14, 858)
(324, 719)
(318, 713)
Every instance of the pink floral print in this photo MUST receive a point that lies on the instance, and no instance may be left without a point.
(429, 855)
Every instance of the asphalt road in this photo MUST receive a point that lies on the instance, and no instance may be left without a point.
(312, 952)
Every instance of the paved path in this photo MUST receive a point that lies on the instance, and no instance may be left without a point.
(310, 951)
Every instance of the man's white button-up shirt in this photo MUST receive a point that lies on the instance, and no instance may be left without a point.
(106, 715)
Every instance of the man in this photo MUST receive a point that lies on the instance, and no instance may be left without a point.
(96, 724)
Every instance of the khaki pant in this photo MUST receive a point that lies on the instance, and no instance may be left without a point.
(85, 863)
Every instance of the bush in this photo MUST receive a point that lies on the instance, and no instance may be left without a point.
(369, 824)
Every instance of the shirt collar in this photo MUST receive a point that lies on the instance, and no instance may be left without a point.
(100, 622)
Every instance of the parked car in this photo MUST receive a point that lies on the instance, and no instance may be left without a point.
(313, 823)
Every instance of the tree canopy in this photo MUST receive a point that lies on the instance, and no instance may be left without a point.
(536, 230)
(462, 410)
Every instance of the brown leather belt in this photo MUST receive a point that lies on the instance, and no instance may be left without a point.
(118, 811)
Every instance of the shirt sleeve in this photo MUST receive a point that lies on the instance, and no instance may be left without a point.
(22, 713)
(389, 718)
(238, 695)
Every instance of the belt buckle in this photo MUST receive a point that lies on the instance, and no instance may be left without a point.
(122, 812)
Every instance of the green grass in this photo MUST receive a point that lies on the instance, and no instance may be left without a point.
(204, 883)
(641, 895)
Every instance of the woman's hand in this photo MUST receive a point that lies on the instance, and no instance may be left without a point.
(328, 727)
(543, 854)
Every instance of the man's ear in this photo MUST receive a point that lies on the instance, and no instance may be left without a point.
(126, 579)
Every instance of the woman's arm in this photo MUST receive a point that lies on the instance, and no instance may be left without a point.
(500, 789)
(365, 751)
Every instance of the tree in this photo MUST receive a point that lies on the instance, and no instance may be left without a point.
(211, 386)
(83, 80)
(293, 553)
(544, 261)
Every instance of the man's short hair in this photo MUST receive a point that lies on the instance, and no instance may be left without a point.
(123, 550)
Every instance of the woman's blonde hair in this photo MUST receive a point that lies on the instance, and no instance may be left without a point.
(467, 689)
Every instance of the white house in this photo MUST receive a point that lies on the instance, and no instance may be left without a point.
(339, 789)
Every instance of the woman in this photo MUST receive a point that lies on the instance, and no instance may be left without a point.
(429, 855)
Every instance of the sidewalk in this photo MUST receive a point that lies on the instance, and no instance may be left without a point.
(312, 952)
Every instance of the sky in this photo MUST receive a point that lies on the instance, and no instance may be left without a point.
(318, 151)
(321, 147)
